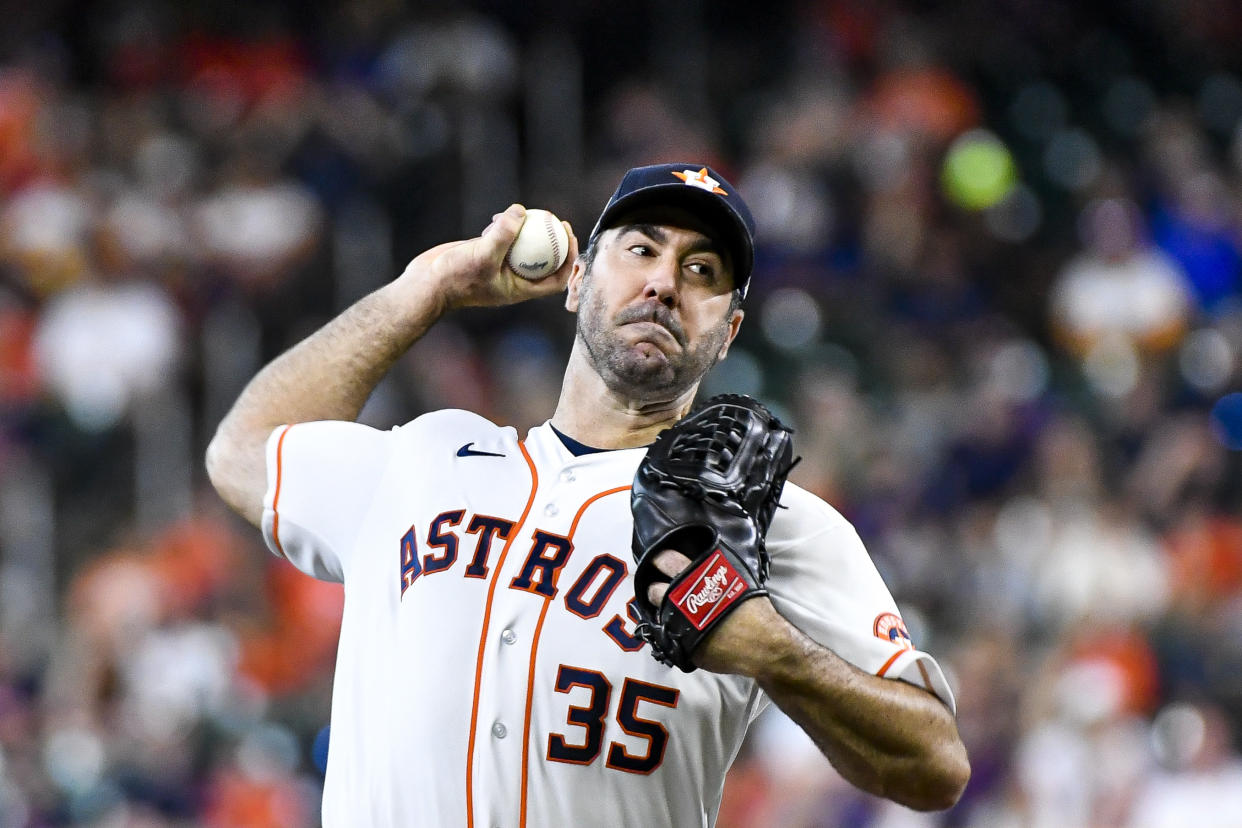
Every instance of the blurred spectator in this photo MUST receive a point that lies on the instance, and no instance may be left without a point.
(1201, 781)
(1176, 468)
(44, 232)
(260, 788)
(256, 226)
(1119, 288)
(644, 121)
(104, 344)
(21, 95)
(937, 293)
(925, 100)
(1199, 229)
(1205, 560)
(291, 649)
(145, 220)
(1101, 564)
(795, 147)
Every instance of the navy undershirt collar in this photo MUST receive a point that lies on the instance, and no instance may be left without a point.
(575, 448)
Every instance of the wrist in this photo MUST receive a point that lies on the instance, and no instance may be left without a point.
(414, 297)
(754, 641)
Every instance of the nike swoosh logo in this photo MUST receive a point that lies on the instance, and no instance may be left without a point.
(466, 451)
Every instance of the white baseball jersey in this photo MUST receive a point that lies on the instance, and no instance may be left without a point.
(488, 674)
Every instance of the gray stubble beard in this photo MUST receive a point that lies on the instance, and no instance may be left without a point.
(626, 373)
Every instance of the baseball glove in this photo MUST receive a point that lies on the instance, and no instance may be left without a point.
(707, 488)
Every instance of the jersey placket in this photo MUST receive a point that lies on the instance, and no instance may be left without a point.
(579, 477)
(519, 605)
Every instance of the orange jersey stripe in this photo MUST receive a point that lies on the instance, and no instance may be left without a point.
(280, 445)
(530, 695)
(889, 663)
(534, 650)
(487, 615)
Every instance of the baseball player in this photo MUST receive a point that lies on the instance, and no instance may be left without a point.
(490, 669)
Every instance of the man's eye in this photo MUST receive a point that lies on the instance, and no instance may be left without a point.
(703, 270)
(640, 249)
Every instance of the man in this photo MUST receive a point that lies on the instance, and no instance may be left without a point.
(488, 671)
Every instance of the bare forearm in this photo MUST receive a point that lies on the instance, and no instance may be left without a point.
(327, 376)
(887, 737)
(331, 373)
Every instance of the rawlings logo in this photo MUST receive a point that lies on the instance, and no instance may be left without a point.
(712, 591)
(709, 590)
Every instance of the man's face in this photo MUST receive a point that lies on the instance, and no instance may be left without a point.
(654, 307)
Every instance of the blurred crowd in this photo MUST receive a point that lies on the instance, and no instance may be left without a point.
(998, 293)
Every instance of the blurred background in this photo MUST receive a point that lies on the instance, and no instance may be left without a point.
(998, 293)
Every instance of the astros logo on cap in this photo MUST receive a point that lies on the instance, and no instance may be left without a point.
(701, 180)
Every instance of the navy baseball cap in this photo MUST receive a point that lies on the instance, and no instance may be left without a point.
(697, 188)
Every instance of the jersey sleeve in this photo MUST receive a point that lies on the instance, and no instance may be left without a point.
(321, 479)
(824, 582)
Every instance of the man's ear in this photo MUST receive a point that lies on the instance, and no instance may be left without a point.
(574, 285)
(735, 325)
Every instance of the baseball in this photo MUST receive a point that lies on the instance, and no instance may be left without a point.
(540, 247)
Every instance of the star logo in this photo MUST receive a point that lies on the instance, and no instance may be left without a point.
(701, 180)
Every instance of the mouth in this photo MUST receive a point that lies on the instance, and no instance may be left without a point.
(653, 323)
(648, 330)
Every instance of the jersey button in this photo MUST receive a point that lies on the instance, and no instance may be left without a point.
(499, 730)
(550, 510)
(568, 477)
(508, 636)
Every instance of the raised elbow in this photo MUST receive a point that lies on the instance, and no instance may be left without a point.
(237, 473)
(213, 462)
(222, 464)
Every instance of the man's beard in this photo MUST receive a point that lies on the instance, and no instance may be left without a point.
(626, 371)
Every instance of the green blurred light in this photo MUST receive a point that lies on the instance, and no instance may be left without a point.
(978, 170)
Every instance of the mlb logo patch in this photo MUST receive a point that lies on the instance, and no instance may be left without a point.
(709, 590)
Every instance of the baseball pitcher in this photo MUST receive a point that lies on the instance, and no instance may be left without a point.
(576, 626)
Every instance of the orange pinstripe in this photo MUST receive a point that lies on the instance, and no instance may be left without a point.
(534, 650)
(487, 615)
(280, 445)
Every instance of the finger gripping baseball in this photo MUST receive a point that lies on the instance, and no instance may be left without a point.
(708, 488)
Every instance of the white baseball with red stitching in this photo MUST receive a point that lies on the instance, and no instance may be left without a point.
(540, 247)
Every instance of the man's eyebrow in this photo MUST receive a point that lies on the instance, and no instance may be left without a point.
(651, 231)
(656, 233)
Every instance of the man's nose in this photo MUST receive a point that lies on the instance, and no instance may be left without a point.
(662, 284)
